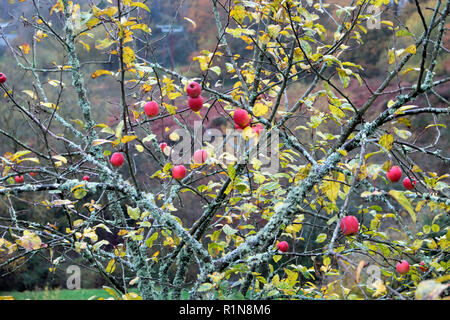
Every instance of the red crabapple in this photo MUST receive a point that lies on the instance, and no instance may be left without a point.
(394, 174)
(117, 159)
(283, 246)
(178, 172)
(402, 267)
(193, 89)
(195, 104)
(200, 156)
(151, 109)
(349, 225)
(241, 118)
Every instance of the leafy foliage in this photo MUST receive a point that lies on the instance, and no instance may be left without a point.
(215, 232)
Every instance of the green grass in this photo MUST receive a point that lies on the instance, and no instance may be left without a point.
(64, 294)
(58, 294)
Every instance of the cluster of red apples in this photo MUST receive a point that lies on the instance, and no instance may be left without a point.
(195, 100)
(395, 173)
(195, 103)
(151, 109)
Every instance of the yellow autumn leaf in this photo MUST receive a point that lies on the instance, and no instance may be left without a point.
(404, 108)
(29, 241)
(256, 163)
(191, 21)
(85, 45)
(273, 30)
(203, 61)
(386, 141)
(77, 186)
(92, 22)
(110, 11)
(216, 69)
(49, 105)
(118, 130)
(380, 288)
(141, 26)
(60, 158)
(411, 49)
(25, 48)
(35, 160)
(111, 266)
(19, 154)
(404, 202)
(131, 296)
(111, 292)
(331, 189)
(170, 207)
(170, 108)
(126, 139)
(30, 93)
(99, 73)
(80, 193)
(248, 133)
(174, 136)
(140, 5)
(99, 142)
(90, 233)
(237, 33)
(128, 55)
(277, 258)
(238, 13)
(260, 109)
(55, 83)
(388, 23)
(139, 148)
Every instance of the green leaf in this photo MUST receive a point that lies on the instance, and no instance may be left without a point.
(205, 287)
(134, 213)
(149, 138)
(404, 134)
(231, 171)
(80, 193)
(100, 243)
(151, 239)
(321, 238)
(228, 230)
(216, 70)
(435, 228)
(404, 33)
(118, 130)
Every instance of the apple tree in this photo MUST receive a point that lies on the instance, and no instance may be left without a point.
(320, 182)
